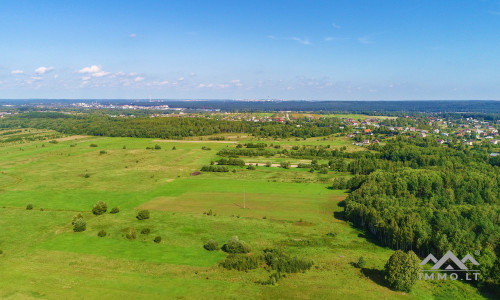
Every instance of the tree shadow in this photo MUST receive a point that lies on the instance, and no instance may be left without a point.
(375, 275)
(339, 215)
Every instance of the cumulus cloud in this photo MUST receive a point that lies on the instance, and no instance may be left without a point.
(16, 72)
(138, 79)
(43, 70)
(94, 71)
(132, 35)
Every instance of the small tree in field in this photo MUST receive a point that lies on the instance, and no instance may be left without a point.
(143, 215)
(99, 208)
(29, 206)
(79, 225)
(401, 270)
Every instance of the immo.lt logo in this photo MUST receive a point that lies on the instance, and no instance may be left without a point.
(449, 266)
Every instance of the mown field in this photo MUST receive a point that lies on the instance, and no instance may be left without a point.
(293, 209)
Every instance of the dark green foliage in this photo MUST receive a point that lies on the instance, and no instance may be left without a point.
(211, 245)
(145, 231)
(87, 175)
(285, 164)
(323, 171)
(102, 152)
(283, 263)
(401, 270)
(102, 233)
(268, 164)
(214, 168)
(143, 215)
(99, 208)
(234, 245)
(360, 263)
(206, 148)
(114, 210)
(231, 162)
(173, 148)
(93, 145)
(251, 167)
(241, 262)
(29, 206)
(157, 147)
(157, 239)
(79, 225)
(1, 252)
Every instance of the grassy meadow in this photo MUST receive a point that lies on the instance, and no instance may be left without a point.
(293, 209)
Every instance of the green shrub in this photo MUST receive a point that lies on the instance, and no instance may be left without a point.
(251, 167)
(75, 218)
(143, 215)
(29, 206)
(87, 175)
(401, 270)
(102, 152)
(131, 233)
(79, 225)
(102, 233)
(157, 239)
(145, 231)
(281, 262)
(268, 164)
(211, 245)
(99, 208)
(360, 263)
(241, 262)
(234, 245)
(157, 147)
(1, 252)
(114, 210)
(93, 145)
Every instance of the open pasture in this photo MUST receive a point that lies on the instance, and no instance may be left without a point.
(291, 209)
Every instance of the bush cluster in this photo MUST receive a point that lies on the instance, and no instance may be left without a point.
(114, 210)
(29, 206)
(211, 245)
(99, 208)
(102, 233)
(234, 245)
(241, 262)
(157, 239)
(145, 231)
(79, 225)
(131, 233)
(283, 263)
(143, 215)
(214, 168)
(231, 162)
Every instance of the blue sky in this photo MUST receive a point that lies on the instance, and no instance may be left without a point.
(332, 50)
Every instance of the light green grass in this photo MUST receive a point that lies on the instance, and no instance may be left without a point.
(44, 258)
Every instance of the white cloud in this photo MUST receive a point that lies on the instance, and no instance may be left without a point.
(43, 70)
(85, 78)
(181, 78)
(336, 26)
(91, 69)
(139, 79)
(132, 35)
(158, 83)
(17, 72)
(95, 71)
(56, 76)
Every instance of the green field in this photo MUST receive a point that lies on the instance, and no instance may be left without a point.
(294, 209)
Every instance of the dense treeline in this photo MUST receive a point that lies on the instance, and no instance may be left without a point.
(169, 127)
(428, 199)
